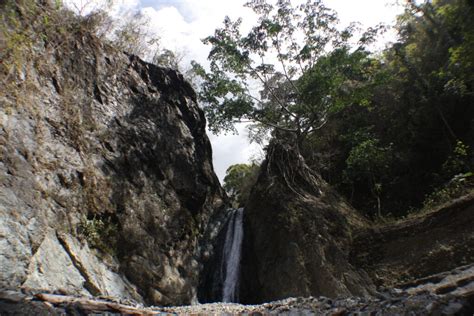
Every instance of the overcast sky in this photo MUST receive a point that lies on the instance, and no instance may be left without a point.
(181, 24)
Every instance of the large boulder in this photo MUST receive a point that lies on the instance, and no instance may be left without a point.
(297, 234)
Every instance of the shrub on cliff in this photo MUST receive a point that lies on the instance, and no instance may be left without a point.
(238, 182)
(28, 27)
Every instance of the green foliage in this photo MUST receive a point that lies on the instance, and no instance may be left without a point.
(457, 168)
(100, 232)
(305, 41)
(458, 161)
(339, 79)
(409, 127)
(368, 158)
(369, 162)
(381, 129)
(459, 185)
(238, 182)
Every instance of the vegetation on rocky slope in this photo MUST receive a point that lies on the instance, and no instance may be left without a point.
(391, 130)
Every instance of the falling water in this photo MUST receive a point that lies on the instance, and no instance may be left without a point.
(231, 256)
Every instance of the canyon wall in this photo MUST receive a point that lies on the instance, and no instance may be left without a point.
(106, 176)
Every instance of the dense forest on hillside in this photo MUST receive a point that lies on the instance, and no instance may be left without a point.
(392, 131)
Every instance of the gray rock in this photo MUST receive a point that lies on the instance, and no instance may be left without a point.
(101, 278)
(52, 269)
(110, 154)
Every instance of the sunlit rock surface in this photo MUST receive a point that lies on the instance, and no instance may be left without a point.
(106, 177)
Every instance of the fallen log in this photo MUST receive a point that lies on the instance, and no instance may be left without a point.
(93, 305)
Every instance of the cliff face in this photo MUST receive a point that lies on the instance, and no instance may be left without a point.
(302, 239)
(297, 235)
(106, 177)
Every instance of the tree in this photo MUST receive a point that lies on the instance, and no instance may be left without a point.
(133, 35)
(369, 162)
(277, 55)
(419, 106)
(238, 182)
(168, 58)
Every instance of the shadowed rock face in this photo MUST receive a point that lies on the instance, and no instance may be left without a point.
(395, 254)
(104, 164)
(302, 239)
(297, 235)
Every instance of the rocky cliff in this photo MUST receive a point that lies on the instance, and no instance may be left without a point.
(298, 234)
(107, 189)
(106, 177)
(303, 239)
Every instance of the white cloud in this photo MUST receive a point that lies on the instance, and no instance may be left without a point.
(183, 32)
(369, 13)
(232, 149)
(183, 29)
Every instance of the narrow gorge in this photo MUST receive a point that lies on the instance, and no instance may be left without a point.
(109, 204)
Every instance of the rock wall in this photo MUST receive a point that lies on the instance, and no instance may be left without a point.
(297, 234)
(106, 177)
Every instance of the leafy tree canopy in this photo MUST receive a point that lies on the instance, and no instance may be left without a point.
(409, 131)
(266, 75)
(386, 130)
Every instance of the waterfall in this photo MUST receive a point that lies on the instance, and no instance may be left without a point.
(230, 264)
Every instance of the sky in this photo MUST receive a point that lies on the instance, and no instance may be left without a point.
(181, 24)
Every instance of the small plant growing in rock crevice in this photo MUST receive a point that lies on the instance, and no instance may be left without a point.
(100, 232)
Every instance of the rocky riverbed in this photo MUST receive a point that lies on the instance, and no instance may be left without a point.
(389, 303)
(450, 293)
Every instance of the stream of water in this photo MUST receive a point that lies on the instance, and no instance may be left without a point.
(231, 256)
